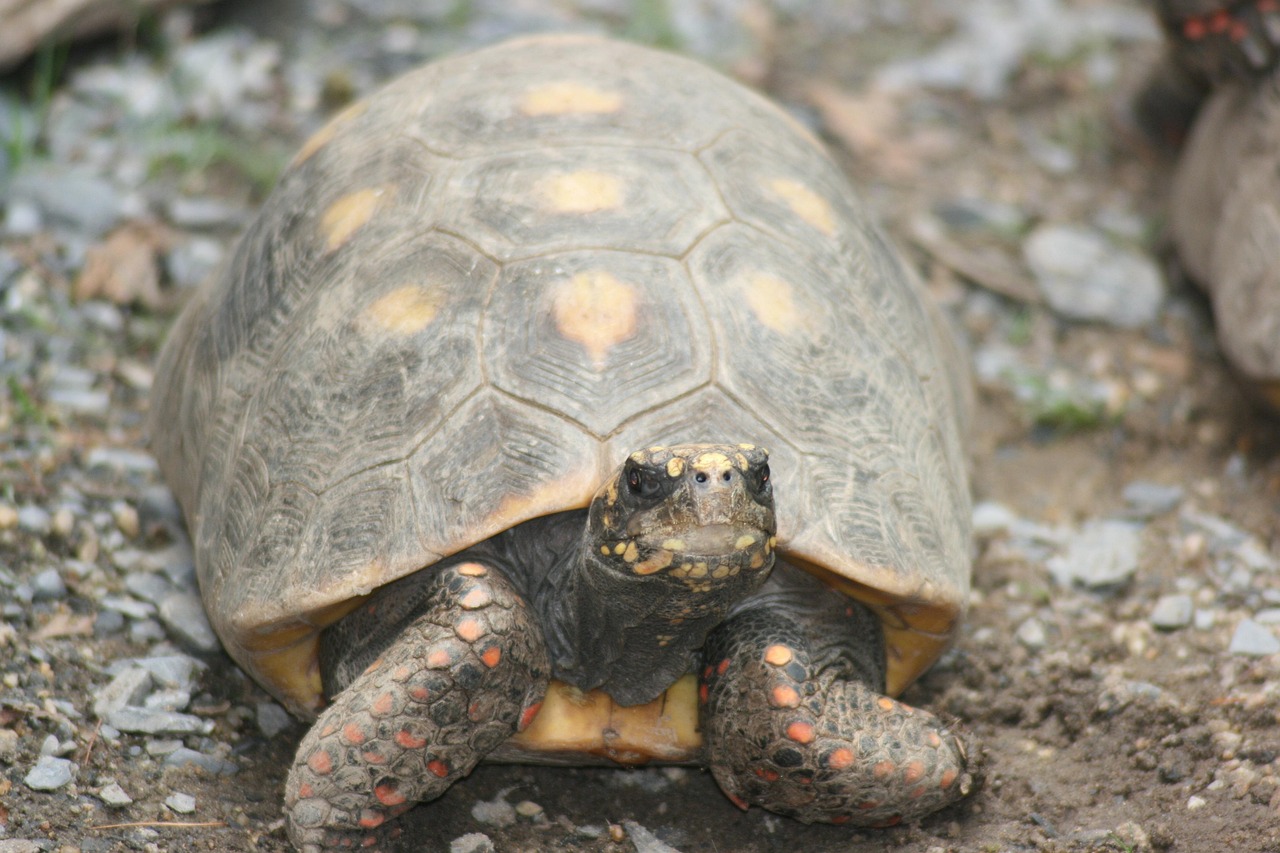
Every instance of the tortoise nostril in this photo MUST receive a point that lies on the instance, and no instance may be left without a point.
(701, 477)
(727, 476)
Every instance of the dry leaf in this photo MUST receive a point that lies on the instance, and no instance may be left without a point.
(125, 267)
(65, 625)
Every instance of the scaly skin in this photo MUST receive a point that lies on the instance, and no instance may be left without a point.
(462, 678)
(792, 725)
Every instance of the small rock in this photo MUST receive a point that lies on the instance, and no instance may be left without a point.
(167, 700)
(1031, 634)
(1194, 802)
(991, 518)
(180, 802)
(184, 757)
(1253, 639)
(1147, 499)
(176, 671)
(8, 746)
(114, 796)
(272, 719)
(206, 213)
(1103, 554)
(496, 812)
(1083, 276)
(472, 842)
(121, 459)
(142, 721)
(147, 585)
(183, 616)
(108, 622)
(74, 197)
(194, 260)
(50, 774)
(528, 808)
(126, 606)
(126, 518)
(19, 845)
(34, 519)
(644, 840)
(1172, 612)
(47, 585)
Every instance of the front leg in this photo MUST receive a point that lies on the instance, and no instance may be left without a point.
(462, 676)
(795, 719)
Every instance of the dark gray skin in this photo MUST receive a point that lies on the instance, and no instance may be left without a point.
(433, 672)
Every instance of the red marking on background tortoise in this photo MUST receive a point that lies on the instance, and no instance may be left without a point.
(491, 656)
(320, 762)
(383, 705)
(409, 740)
(353, 734)
(388, 795)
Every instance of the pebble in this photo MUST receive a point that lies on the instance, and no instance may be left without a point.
(1253, 640)
(1147, 500)
(1031, 634)
(200, 213)
(47, 585)
(472, 842)
(72, 197)
(183, 616)
(114, 796)
(528, 809)
(49, 774)
(126, 606)
(194, 260)
(1172, 612)
(34, 519)
(1104, 553)
(185, 757)
(147, 586)
(143, 721)
(1194, 803)
(644, 840)
(180, 802)
(8, 746)
(19, 845)
(123, 460)
(1083, 276)
(991, 518)
(272, 719)
(496, 812)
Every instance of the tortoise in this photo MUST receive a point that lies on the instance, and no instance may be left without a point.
(477, 436)
(1225, 199)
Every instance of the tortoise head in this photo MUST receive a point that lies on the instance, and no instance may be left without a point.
(698, 516)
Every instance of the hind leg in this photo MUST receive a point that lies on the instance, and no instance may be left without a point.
(467, 672)
(795, 719)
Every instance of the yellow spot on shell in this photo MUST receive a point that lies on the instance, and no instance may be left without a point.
(620, 547)
(404, 311)
(675, 466)
(772, 301)
(757, 560)
(806, 204)
(632, 553)
(657, 561)
(569, 96)
(673, 544)
(595, 310)
(324, 135)
(699, 570)
(604, 549)
(744, 541)
(348, 214)
(581, 192)
(721, 571)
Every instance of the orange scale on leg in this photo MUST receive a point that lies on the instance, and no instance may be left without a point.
(784, 696)
(438, 767)
(800, 731)
(526, 717)
(491, 656)
(883, 769)
(947, 778)
(409, 740)
(320, 762)
(722, 666)
(387, 794)
(914, 772)
(383, 705)
(353, 734)
(370, 819)
(472, 570)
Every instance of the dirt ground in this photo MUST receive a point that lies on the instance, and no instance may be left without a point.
(1108, 734)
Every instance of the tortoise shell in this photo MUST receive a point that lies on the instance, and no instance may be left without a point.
(473, 293)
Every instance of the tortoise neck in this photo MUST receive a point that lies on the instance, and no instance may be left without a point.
(631, 636)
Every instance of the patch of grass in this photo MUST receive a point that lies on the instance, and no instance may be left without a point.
(23, 143)
(196, 149)
(650, 23)
(1068, 408)
(27, 411)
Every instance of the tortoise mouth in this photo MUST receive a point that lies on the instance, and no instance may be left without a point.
(710, 540)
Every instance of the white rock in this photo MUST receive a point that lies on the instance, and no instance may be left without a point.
(181, 803)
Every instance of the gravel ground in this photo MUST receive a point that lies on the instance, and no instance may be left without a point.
(1121, 662)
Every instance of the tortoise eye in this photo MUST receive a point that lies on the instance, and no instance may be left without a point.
(764, 474)
(643, 482)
